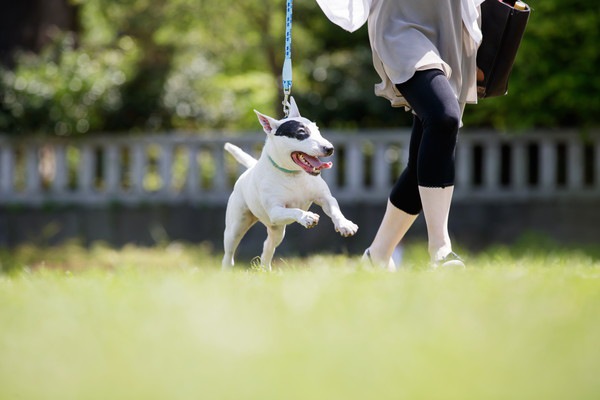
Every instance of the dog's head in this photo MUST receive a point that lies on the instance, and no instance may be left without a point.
(296, 142)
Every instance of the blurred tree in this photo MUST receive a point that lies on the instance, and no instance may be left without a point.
(31, 24)
(555, 80)
(64, 90)
(187, 64)
(141, 93)
(202, 64)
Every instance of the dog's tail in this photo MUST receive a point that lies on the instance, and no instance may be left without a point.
(240, 155)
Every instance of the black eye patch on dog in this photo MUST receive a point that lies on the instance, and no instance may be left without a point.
(294, 130)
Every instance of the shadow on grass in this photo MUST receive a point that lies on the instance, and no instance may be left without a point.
(73, 257)
(539, 245)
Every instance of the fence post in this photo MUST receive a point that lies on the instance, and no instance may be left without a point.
(380, 167)
(464, 164)
(138, 168)
(86, 171)
(165, 167)
(60, 183)
(575, 160)
(112, 167)
(491, 165)
(220, 175)
(32, 183)
(518, 167)
(547, 166)
(192, 176)
(7, 170)
(354, 166)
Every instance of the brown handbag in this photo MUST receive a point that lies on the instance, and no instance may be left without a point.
(503, 27)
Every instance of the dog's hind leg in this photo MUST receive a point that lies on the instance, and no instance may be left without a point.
(275, 234)
(237, 223)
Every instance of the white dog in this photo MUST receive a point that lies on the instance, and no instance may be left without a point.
(279, 187)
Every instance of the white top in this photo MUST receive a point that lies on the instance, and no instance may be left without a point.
(412, 35)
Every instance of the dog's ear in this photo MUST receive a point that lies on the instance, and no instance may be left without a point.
(294, 112)
(269, 124)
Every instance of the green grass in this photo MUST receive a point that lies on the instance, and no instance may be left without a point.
(165, 323)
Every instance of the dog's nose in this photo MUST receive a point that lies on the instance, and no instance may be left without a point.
(328, 150)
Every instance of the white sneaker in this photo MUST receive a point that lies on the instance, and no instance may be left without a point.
(451, 260)
(366, 257)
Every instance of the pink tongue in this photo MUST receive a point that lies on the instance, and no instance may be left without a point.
(316, 163)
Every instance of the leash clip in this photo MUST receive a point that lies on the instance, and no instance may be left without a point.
(286, 103)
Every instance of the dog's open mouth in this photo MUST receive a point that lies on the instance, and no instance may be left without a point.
(310, 164)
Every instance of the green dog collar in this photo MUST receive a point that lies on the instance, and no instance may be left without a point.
(287, 171)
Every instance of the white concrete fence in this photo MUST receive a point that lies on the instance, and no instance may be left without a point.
(178, 168)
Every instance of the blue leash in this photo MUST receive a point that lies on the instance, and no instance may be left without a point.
(286, 75)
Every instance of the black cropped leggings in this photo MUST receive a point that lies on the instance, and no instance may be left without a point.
(433, 138)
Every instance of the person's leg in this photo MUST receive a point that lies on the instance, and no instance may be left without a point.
(403, 206)
(436, 207)
(432, 99)
(393, 227)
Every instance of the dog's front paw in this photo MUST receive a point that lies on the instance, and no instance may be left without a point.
(309, 219)
(346, 228)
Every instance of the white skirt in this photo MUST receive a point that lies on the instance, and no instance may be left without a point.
(413, 35)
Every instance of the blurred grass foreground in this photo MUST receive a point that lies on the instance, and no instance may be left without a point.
(165, 323)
